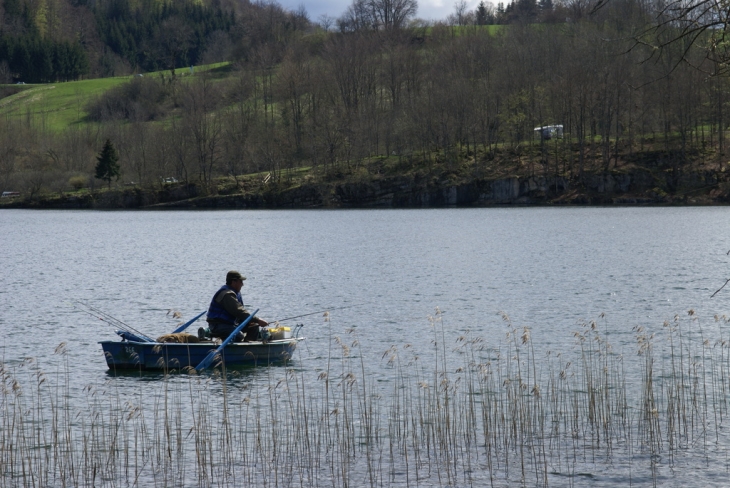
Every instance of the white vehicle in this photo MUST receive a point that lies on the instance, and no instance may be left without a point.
(550, 131)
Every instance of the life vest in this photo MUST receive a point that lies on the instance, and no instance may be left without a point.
(217, 313)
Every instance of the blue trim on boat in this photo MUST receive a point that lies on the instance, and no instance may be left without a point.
(168, 356)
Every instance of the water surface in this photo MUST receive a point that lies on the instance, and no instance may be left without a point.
(382, 273)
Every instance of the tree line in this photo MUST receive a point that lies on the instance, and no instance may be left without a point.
(59, 40)
(34, 59)
(151, 35)
(422, 95)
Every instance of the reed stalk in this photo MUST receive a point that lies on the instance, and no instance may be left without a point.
(471, 411)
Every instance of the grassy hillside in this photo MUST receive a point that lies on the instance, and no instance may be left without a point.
(62, 105)
(59, 105)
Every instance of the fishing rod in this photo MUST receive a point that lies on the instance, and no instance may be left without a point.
(108, 319)
(320, 311)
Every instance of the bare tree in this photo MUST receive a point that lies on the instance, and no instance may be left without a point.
(294, 83)
(378, 14)
(326, 22)
(8, 149)
(238, 122)
(392, 14)
(357, 17)
(138, 150)
(181, 149)
(36, 174)
(203, 125)
(686, 24)
(169, 153)
(219, 48)
(682, 19)
(5, 76)
(351, 63)
(268, 156)
(173, 39)
(460, 15)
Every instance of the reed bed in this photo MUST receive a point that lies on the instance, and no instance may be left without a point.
(467, 412)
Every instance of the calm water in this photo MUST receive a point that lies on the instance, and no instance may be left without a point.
(548, 269)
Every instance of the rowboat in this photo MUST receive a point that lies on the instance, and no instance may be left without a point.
(126, 354)
(139, 352)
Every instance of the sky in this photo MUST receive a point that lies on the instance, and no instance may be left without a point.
(427, 9)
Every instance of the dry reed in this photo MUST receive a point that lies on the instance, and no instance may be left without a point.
(469, 412)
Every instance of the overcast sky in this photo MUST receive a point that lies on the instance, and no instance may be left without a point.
(427, 9)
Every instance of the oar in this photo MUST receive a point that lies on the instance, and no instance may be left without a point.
(209, 358)
(186, 324)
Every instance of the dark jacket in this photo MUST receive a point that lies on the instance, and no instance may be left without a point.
(226, 307)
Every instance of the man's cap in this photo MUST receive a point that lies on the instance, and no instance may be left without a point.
(234, 275)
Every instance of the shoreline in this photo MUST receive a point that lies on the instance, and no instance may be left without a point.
(640, 188)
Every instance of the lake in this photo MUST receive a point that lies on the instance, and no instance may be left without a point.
(406, 291)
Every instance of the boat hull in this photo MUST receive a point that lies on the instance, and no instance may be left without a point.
(168, 356)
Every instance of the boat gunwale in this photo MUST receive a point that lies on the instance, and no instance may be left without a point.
(208, 343)
(172, 349)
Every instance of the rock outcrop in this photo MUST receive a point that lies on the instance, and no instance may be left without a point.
(640, 187)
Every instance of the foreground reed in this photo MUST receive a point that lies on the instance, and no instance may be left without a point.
(466, 413)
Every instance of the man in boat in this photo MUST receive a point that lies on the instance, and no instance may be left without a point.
(226, 311)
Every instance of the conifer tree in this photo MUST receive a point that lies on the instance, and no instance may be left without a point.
(107, 166)
(482, 14)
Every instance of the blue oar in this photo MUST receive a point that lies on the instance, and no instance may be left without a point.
(209, 358)
(185, 325)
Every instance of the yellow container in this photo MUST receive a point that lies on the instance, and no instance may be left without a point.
(279, 333)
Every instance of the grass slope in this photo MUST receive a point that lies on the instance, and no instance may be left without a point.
(62, 105)
(58, 105)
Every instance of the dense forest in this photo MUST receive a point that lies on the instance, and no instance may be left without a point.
(372, 91)
(58, 40)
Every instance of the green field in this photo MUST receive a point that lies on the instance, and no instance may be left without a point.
(58, 106)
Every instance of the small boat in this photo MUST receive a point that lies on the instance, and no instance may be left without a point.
(139, 352)
(128, 354)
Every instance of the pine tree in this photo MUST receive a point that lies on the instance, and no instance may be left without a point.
(107, 166)
(481, 14)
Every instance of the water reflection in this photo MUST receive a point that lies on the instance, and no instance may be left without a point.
(231, 373)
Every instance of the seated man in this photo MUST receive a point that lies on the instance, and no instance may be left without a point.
(226, 311)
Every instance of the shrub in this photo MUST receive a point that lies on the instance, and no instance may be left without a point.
(77, 182)
(140, 100)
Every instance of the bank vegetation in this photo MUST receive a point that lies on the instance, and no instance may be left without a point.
(347, 113)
